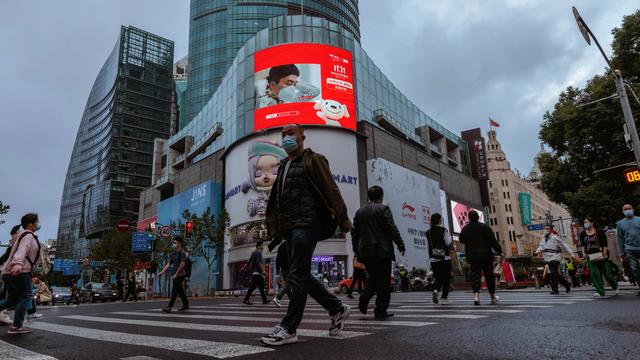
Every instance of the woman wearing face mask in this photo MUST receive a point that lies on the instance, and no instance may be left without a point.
(594, 244)
(283, 87)
(439, 244)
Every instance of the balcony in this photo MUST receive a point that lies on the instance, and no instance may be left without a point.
(452, 161)
(435, 151)
(397, 128)
(206, 140)
(178, 164)
(165, 183)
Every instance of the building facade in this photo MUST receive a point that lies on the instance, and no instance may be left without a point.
(518, 204)
(129, 106)
(219, 28)
(377, 136)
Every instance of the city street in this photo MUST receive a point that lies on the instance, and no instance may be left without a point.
(526, 324)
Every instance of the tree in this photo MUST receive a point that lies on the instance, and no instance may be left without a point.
(115, 249)
(207, 239)
(589, 138)
(3, 210)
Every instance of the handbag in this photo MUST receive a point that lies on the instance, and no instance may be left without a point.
(437, 253)
(357, 265)
(599, 256)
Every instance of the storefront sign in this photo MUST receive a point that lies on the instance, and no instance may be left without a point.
(322, 258)
(304, 84)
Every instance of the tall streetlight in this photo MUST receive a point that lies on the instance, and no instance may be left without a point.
(622, 92)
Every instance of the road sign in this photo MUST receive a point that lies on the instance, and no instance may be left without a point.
(122, 225)
(141, 241)
(166, 231)
(535, 227)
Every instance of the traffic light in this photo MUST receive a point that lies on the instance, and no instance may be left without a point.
(188, 229)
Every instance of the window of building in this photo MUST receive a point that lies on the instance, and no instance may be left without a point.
(495, 221)
(509, 207)
(490, 183)
(497, 236)
(506, 208)
(508, 195)
(510, 236)
(494, 208)
(506, 182)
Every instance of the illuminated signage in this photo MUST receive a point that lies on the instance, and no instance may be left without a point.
(632, 176)
(304, 84)
(322, 259)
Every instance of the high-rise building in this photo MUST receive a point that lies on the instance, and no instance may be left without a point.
(519, 208)
(219, 28)
(180, 76)
(128, 107)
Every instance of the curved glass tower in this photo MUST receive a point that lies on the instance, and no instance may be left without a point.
(129, 105)
(219, 28)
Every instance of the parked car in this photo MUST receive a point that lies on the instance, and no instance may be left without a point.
(60, 294)
(343, 286)
(98, 292)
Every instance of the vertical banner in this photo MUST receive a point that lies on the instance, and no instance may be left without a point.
(525, 208)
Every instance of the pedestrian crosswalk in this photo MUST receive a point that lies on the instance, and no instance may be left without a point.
(225, 328)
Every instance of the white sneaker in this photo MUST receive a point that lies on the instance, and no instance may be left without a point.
(338, 320)
(495, 300)
(5, 319)
(617, 292)
(34, 316)
(445, 302)
(276, 302)
(279, 336)
(597, 295)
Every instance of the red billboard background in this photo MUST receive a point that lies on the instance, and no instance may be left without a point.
(334, 107)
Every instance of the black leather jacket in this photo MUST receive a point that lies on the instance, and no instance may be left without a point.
(374, 233)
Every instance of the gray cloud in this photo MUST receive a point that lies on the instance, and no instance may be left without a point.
(460, 61)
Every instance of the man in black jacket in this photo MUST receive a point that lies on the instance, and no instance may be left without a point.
(373, 236)
(479, 240)
(305, 206)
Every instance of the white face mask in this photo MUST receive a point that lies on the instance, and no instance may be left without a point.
(288, 94)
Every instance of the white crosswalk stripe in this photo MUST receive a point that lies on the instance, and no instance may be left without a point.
(12, 352)
(202, 347)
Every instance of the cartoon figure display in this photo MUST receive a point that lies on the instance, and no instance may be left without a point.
(331, 111)
(264, 158)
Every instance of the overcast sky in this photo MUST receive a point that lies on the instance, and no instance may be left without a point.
(459, 61)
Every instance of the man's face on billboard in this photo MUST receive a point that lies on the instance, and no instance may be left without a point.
(284, 82)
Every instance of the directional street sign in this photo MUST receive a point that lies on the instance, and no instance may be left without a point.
(535, 227)
(141, 242)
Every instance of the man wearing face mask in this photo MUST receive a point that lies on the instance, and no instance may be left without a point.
(283, 87)
(177, 262)
(628, 233)
(305, 206)
(17, 272)
(550, 249)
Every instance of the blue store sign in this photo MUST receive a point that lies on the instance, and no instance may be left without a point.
(195, 199)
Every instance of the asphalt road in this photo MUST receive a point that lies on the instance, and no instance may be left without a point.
(529, 324)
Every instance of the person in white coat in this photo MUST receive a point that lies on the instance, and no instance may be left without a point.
(551, 249)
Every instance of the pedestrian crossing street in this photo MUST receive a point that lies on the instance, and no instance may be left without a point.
(227, 328)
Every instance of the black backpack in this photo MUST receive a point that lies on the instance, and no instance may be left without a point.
(187, 267)
(5, 257)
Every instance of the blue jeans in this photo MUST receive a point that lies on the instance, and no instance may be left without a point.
(302, 243)
(634, 263)
(19, 294)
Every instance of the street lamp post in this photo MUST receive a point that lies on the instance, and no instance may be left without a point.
(622, 92)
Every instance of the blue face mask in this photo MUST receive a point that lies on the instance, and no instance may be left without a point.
(587, 226)
(38, 227)
(289, 143)
(628, 213)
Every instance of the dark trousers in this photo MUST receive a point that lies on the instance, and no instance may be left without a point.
(574, 278)
(257, 281)
(130, 293)
(302, 242)
(74, 296)
(556, 277)
(19, 295)
(176, 290)
(358, 279)
(377, 284)
(442, 274)
(479, 266)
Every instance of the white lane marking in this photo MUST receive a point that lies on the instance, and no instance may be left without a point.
(207, 327)
(140, 357)
(201, 347)
(12, 352)
(275, 320)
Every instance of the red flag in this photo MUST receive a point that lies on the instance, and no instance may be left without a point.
(493, 123)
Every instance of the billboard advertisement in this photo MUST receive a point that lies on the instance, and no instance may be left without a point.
(412, 198)
(305, 84)
(460, 215)
(251, 168)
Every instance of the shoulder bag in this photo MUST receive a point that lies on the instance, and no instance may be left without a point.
(599, 256)
(436, 253)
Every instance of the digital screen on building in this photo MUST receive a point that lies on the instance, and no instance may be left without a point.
(309, 84)
(632, 176)
(460, 214)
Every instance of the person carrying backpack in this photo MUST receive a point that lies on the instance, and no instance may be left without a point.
(176, 263)
(4, 315)
(17, 272)
(439, 241)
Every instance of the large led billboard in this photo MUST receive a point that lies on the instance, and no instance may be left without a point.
(309, 84)
(460, 215)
